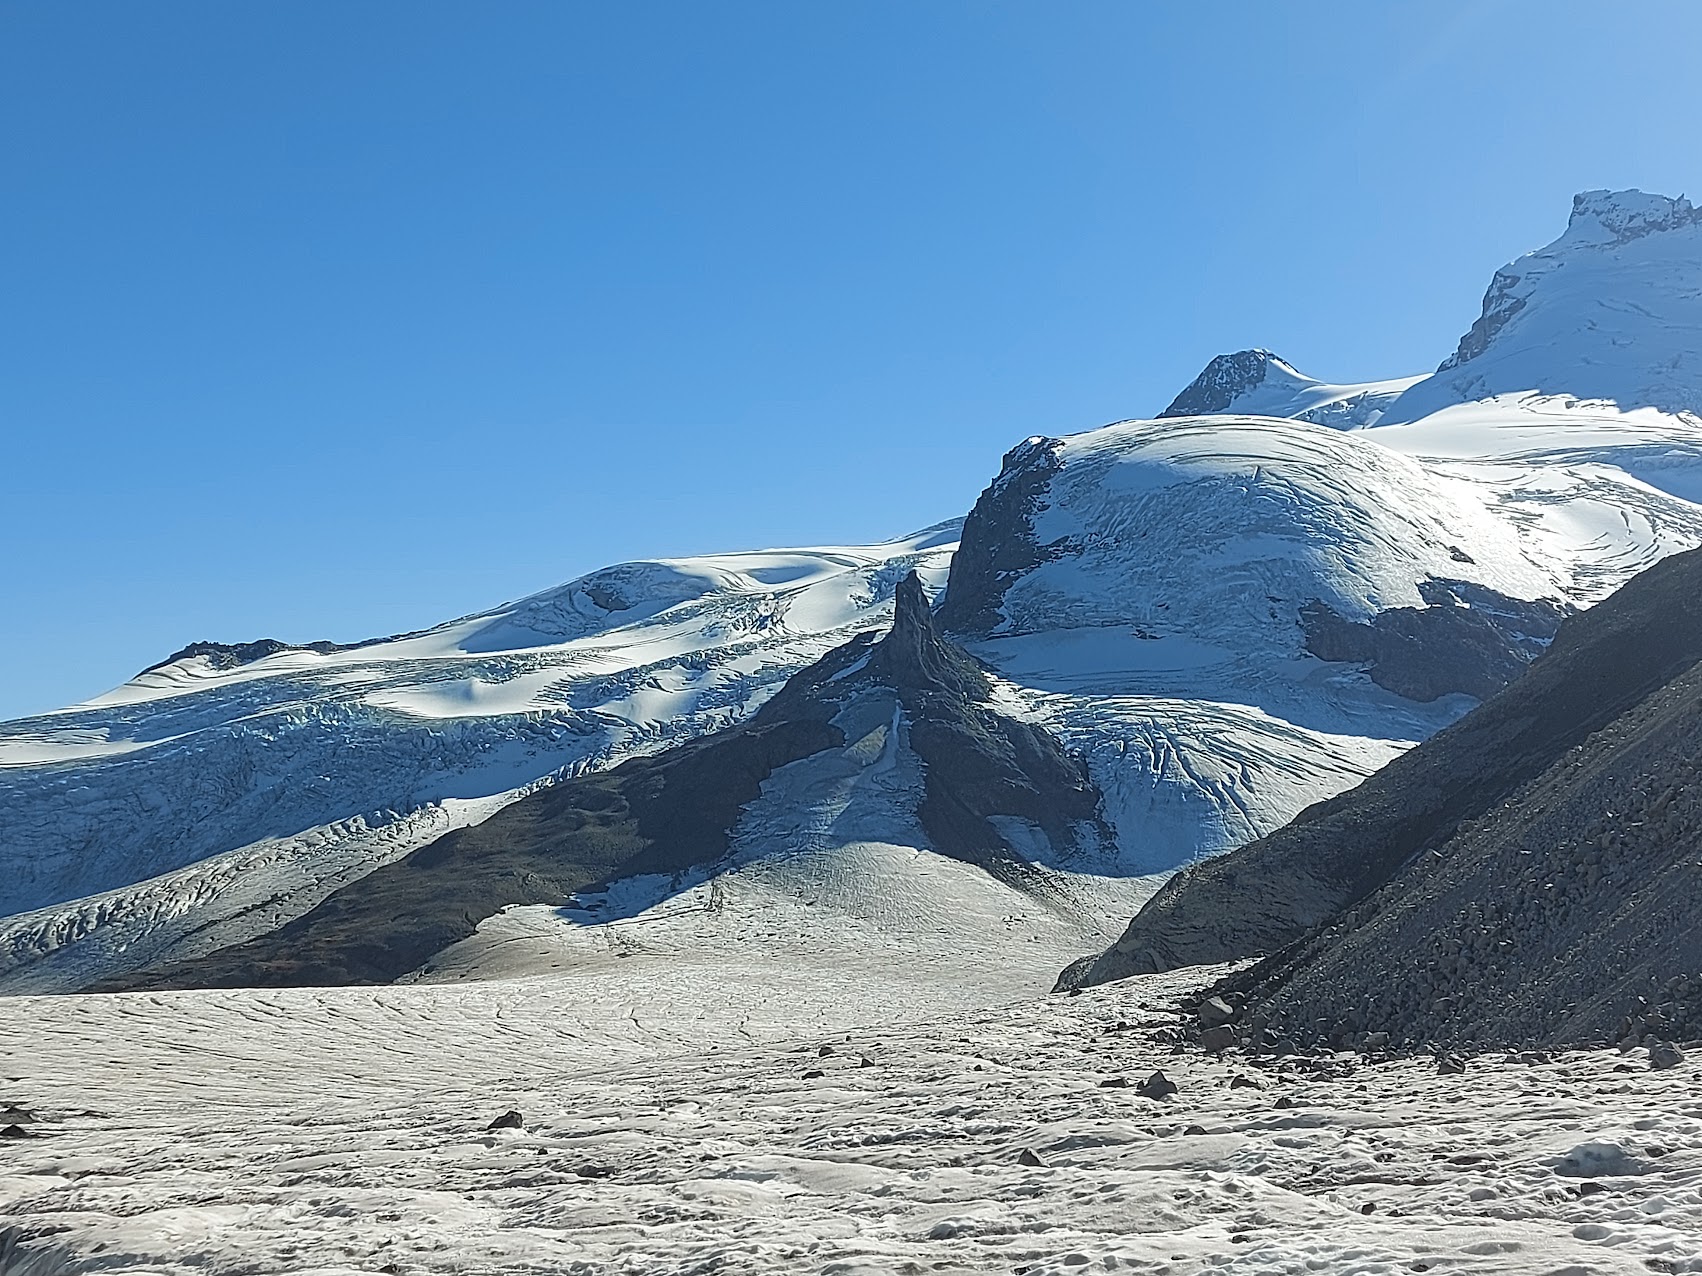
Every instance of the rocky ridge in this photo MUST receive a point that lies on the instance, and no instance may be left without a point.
(1524, 877)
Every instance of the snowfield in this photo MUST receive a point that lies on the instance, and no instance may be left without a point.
(704, 1116)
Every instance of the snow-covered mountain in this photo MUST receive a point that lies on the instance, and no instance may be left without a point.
(885, 789)
(1259, 383)
(1229, 613)
(1608, 313)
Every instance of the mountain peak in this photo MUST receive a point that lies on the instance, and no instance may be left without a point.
(1611, 311)
(1620, 216)
(1227, 378)
(914, 656)
(1259, 383)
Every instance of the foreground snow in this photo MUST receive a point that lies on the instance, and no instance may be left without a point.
(856, 1115)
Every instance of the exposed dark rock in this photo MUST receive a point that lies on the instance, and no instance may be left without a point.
(231, 655)
(1030, 1158)
(998, 545)
(1225, 379)
(1500, 304)
(1599, 1160)
(1157, 1086)
(1217, 1039)
(1525, 877)
(979, 764)
(1214, 1011)
(1467, 639)
(914, 658)
(510, 1120)
(1664, 1054)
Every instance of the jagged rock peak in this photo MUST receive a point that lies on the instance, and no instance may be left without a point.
(1620, 216)
(914, 655)
(1225, 379)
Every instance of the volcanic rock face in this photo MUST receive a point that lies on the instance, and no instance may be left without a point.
(677, 812)
(1526, 875)
(999, 545)
(1450, 645)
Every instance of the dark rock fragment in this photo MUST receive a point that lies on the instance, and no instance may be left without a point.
(1157, 1086)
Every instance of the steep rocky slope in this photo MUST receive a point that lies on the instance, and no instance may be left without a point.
(1529, 874)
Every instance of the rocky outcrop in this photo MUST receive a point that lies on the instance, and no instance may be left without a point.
(231, 655)
(1526, 874)
(1467, 638)
(998, 544)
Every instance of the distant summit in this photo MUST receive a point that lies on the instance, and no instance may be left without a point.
(1611, 311)
(1226, 379)
(1259, 383)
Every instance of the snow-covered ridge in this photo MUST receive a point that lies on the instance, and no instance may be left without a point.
(1259, 383)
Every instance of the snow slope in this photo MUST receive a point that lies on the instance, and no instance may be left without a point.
(1158, 626)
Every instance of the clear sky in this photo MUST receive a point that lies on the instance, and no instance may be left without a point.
(329, 320)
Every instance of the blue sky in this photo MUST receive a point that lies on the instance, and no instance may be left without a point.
(328, 320)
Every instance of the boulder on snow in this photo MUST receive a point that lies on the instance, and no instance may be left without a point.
(1157, 1086)
(1665, 1054)
(1217, 1039)
(1214, 1011)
